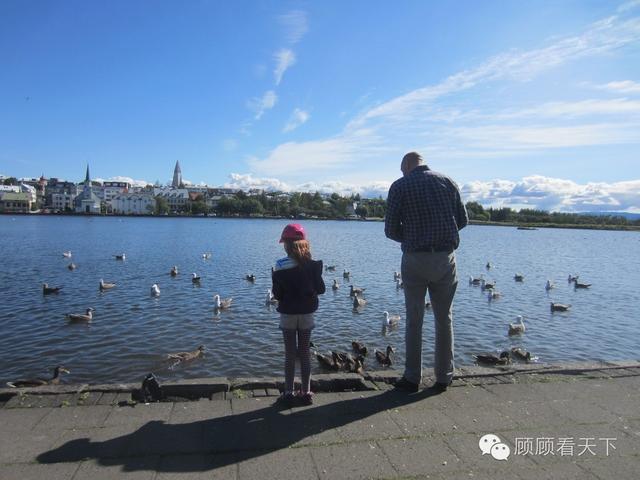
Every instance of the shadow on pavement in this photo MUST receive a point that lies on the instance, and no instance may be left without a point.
(229, 439)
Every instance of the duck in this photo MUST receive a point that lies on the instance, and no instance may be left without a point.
(155, 290)
(390, 320)
(122, 256)
(493, 295)
(559, 307)
(250, 278)
(358, 365)
(105, 285)
(358, 301)
(476, 280)
(549, 285)
(174, 271)
(270, 300)
(396, 275)
(355, 291)
(578, 284)
(385, 358)
(492, 359)
(39, 382)
(427, 306)
(79, 317)
(346, 274)
(221, 304)
(47, 290)
(330, 268)
(359, 348)
(518, 277)
(195, 278)
(186, 356)
(521, 354)
(572, 278)
(206, 255)
(71, 266)
(399, 284)
(488, 266)
(517, 328)
(335, 285)
(487, 285)
(67, 254)
(329, 361)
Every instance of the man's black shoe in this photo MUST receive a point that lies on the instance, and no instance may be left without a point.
(406, 385)
(441, 387)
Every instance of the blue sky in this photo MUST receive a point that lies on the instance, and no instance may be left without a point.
(520, 102)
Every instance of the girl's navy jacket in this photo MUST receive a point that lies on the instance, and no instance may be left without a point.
(297, 288)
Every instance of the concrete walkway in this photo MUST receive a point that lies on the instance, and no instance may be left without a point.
(580, 421)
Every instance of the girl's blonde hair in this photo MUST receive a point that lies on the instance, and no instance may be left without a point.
(299, 250)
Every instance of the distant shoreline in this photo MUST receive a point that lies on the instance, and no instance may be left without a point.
(529, 226)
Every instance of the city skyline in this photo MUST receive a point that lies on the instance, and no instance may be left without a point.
(523, 105)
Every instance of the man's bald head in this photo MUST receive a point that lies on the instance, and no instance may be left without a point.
(410, 161)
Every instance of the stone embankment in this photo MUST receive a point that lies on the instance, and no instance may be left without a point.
(566, 421)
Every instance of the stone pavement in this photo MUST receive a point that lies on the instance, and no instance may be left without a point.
(569, 422)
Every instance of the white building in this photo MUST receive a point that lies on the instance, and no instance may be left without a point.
(133, 204)
(177, 198)
(62, 201)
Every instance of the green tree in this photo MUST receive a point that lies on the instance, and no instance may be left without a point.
(162, 207)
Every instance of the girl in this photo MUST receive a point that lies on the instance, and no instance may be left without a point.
(297, 282)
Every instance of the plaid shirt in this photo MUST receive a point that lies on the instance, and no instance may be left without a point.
(424, 210)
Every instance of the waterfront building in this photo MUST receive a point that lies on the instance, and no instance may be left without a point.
(176, 198)
(62, 202)
(177, 176)
(111, 190)
(133, 204)
(87, 201)
(15, 202)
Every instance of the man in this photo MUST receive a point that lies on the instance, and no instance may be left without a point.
(425, 213)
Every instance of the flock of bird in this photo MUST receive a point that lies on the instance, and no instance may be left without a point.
(334, 359)
(518, 327)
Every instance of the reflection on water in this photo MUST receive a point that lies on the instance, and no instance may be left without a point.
(132, 331)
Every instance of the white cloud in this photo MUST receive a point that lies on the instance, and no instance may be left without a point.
(297, 118)
(622, 86)
(295, 25)
(262, 104)
(424, 117)
(285, 58)
(556, 194)
(535, 191)
(248, 181)
(630, 5)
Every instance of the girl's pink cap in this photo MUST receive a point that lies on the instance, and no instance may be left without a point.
(293, 231)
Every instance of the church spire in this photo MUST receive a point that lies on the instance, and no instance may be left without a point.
(87, 179)
(177, 176)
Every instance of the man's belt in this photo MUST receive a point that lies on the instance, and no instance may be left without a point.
(447, 249)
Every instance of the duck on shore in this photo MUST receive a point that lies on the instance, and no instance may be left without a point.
(492, 359)
(39, 382)
(384, 358)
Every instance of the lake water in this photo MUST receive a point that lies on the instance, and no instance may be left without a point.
(132, 332)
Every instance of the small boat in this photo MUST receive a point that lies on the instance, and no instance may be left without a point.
(527, 228)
